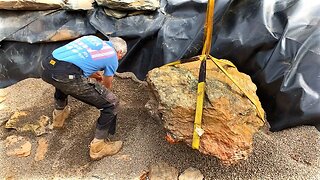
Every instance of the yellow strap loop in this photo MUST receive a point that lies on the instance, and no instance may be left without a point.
(222, 61)
(173, 63)
(259, 108)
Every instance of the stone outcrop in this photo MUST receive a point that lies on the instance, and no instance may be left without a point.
(229, 118)
(148, 5)
(46, 4)
(115, 13)
(79, 4)
(31, 4)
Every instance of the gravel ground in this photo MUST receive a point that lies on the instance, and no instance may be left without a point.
(289, 154)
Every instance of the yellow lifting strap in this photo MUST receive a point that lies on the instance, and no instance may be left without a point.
(197, 130)
(222, 61)
(208, 29)
(260, 111)
(173, 63)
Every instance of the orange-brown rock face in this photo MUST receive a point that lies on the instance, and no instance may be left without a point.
(229, 118)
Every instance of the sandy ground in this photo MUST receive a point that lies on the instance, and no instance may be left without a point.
(290, 154)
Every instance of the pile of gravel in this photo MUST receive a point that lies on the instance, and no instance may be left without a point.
(289, 154)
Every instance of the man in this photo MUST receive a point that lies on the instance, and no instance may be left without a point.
(75, 69)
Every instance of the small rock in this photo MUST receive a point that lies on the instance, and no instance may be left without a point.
(15, 118)
(18, 146)
(22, 123)
(41, 149)
(191, 174)
(161, 171)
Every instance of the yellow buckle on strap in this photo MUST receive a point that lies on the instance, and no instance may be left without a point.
(52, 62)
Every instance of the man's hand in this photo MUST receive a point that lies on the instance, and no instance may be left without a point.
(98, 76)
(105, 80)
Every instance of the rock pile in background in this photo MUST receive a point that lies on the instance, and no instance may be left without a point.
(39, 21)
(147, 5)
(123, 8)
(31, 4)
(116, 8)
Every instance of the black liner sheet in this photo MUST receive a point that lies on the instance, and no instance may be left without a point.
(41, 26)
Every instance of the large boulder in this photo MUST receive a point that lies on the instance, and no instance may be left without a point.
(229, 120)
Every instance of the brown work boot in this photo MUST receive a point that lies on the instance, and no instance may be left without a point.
(101, 148)
(59, 116)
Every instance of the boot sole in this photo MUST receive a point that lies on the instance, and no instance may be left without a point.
(96, 158)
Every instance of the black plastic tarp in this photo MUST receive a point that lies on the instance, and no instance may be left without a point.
(42, 26)
(276, 42)
(21, 60)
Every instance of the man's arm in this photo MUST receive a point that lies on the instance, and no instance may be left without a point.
(107, 81)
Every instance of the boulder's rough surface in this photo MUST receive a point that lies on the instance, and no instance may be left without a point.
(229, 118)
(148, 5)
(31, 4)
